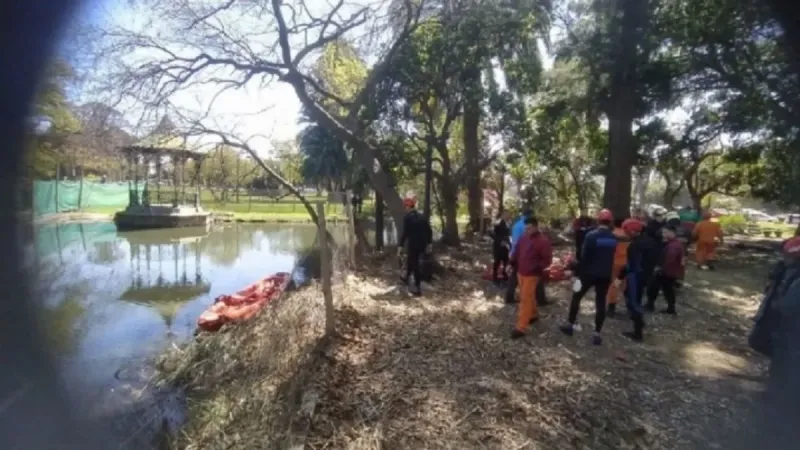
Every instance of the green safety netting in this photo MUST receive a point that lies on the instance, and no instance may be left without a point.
(59, 196)
(51, 238)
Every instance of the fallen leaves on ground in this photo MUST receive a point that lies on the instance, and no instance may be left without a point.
(440, 371)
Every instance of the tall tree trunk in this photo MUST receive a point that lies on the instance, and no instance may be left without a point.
(501, 196)
(471, 121)
(622, 104)
(379, 226)
(449, 194)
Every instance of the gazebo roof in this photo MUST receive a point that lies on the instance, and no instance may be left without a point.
(163, 140)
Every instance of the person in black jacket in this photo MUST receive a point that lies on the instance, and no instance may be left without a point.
(642, 259)
(595, 267)
(501, 243)
(417, 233)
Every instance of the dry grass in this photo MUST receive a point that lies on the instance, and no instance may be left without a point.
(245, 383)
(441, 373)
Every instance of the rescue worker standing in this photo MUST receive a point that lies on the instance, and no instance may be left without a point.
(580, 227)
(531, 256)
(594, 271)
(418, 234)
(517, 230)
(641, 261)
(668, 272)
(501, 245)
(706, 233)
(620, 259)
(673, 220)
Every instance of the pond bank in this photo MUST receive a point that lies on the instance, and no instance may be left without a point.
(441, 372)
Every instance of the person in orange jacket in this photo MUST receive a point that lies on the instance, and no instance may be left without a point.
(706, 233)
(620, 259)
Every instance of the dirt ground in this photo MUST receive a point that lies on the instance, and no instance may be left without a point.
(440, 372)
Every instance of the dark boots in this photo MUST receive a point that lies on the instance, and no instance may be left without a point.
(637, 334)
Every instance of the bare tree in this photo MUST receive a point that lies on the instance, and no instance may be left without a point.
(234, 44)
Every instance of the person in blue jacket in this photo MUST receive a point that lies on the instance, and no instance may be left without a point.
(517, 229)
(595, 267)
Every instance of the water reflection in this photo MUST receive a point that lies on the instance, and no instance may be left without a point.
(110, 298)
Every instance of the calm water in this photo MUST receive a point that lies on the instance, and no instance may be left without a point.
(113, 301)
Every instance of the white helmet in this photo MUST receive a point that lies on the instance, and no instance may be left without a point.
(672, 215)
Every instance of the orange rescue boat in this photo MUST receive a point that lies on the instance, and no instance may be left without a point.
(243, 304)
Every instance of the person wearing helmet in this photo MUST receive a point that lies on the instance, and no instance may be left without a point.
(673, 220)
(417, 236)
(654, 225)
(594, 271)
(706, 233)
(668, 271)
(637, 273)
(620, 259)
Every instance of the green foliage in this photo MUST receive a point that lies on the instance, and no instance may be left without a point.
(325, 161)
(53, 122)
(733, 224)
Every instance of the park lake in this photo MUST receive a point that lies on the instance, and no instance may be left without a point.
(112, 301)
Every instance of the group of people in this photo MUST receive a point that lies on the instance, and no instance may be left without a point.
(636, 256)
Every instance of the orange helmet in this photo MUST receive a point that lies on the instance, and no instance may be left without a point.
(631, 226)
(409, 202)
(604, 215)
(792, 246)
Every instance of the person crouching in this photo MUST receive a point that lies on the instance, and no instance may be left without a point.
(531, 256)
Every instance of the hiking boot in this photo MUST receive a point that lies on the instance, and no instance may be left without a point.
(632, 335)
(670, 311)
(516, 334)
(533, 320)
(597, 339)
(416, 292)
(567, 329)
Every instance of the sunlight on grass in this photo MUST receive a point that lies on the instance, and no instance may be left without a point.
(707, 360)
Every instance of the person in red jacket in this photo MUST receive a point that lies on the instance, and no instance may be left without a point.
(668, 272)
(531, 256)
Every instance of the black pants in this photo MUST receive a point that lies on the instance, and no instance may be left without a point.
(500, 254)
(600, 286)
(665, 284)
(511, 290)
(413, 266)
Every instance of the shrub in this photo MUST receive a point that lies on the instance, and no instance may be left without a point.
(733, 224)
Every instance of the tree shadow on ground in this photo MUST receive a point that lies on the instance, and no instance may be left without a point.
(441, 372)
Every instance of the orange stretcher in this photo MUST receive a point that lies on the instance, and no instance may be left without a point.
(244, 304)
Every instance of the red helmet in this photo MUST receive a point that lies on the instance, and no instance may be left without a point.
(792, 246)
(409, 202)
(604, 215)
(631, 226)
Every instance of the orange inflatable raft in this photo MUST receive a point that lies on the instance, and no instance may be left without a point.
(243, 304)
